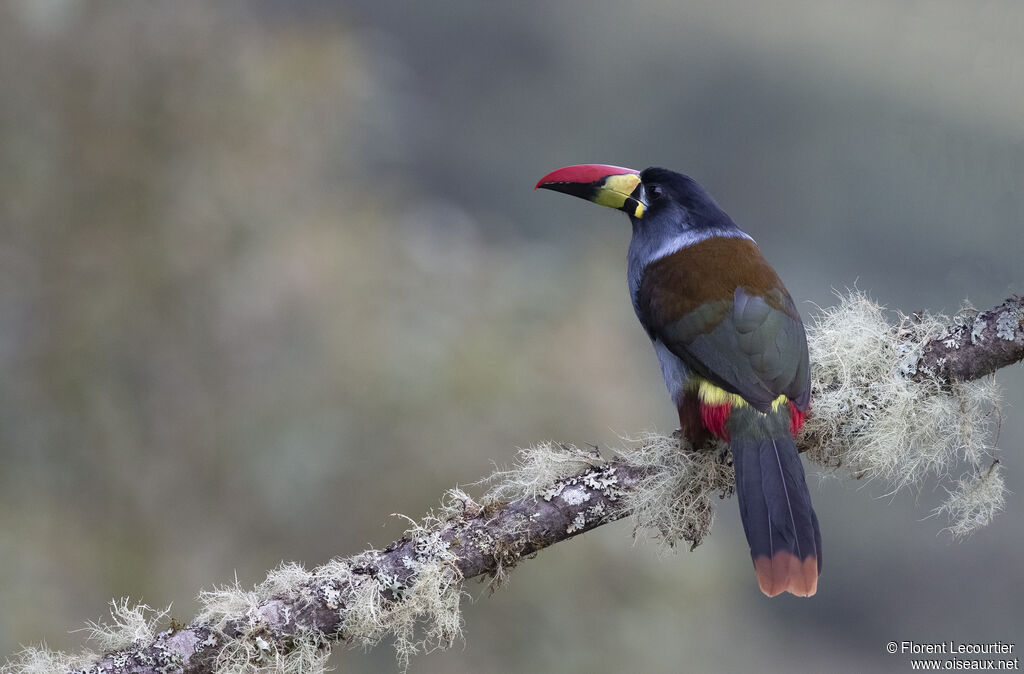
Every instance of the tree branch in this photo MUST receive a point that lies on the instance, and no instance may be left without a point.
(977, 344)
(411, 589)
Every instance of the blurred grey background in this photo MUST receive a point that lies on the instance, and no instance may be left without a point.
(270, 272)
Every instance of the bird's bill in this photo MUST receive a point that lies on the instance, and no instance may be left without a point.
(611, 186)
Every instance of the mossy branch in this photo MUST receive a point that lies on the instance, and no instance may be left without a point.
(895, 403)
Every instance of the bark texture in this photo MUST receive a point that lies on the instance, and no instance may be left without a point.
(976, 346)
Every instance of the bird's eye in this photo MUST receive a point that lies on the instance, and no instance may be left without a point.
(653, 192)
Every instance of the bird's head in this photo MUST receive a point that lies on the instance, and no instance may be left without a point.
(669, 211)
(659, 202)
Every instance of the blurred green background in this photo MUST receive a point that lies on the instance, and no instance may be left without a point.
(270, 272)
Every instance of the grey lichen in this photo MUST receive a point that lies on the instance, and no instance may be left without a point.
(539, 471)
(426, 617)
(128, 634)
(419, 610)
(573, 496)
(975, 501)
(578, 523)
(601, 479)
(131, 625)
(869, 416)
(246, 622)
(1009, 321)
(978, 330)
(41, 660)
(675, 498)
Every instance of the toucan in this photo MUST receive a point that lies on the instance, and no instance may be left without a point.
(732, 350)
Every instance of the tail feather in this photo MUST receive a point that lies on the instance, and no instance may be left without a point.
(775, 504)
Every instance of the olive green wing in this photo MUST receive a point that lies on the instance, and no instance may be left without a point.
(750, 345)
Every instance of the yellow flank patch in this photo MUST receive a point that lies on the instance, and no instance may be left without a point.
(709, 394)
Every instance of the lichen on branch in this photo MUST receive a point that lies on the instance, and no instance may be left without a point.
(886, 409)
(889, 404)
